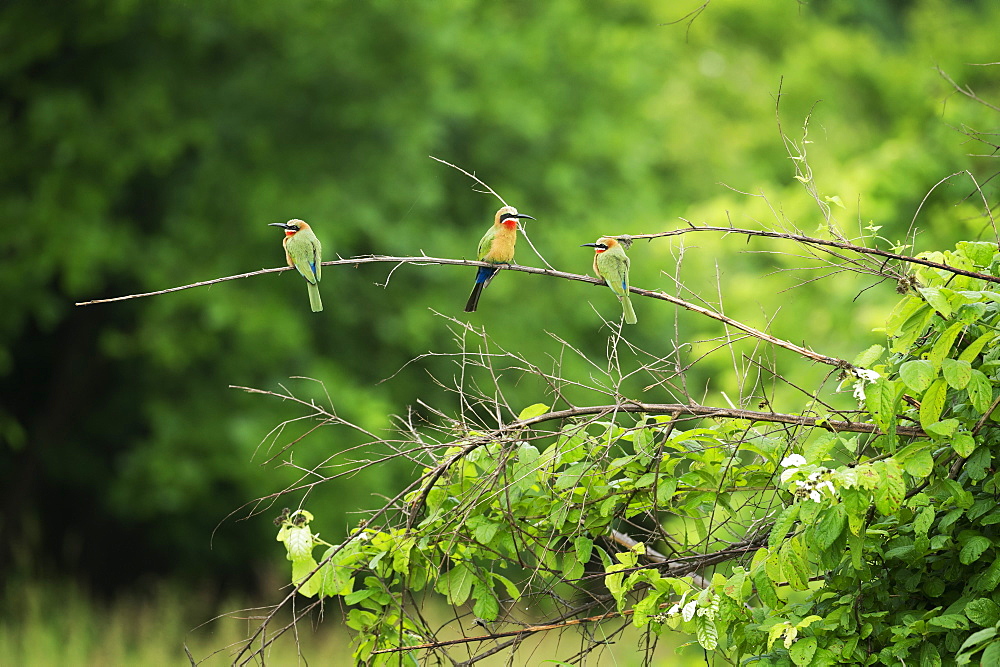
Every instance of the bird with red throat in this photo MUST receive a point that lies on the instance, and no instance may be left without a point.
(304, 251)
(496, 247)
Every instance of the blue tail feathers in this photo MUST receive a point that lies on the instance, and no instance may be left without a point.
(483, 277)
(484, 274)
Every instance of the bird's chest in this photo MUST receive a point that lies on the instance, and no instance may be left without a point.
(502, 247)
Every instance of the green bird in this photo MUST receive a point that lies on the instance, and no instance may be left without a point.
(496, 247)
(611, 263)
(304, 251)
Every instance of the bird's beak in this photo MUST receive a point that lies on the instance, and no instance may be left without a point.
(283, 225)
(588, 245)
(522, 215)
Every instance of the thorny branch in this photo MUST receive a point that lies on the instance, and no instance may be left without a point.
(808, 240)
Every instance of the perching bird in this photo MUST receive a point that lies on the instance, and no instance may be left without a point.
(496, 247)
(304, 252)
(611, 264)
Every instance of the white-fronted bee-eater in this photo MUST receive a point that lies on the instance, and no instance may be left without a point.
(611, 263)
(304, 251)
(496, 247)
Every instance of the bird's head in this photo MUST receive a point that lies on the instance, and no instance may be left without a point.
(603, 244)
(508, 216)
(291, 227)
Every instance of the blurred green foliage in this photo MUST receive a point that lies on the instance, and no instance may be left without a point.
(148, 144)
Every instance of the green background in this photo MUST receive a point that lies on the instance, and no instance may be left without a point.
(147, 144)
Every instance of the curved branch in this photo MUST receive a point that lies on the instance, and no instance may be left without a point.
(707, 411)
(424, 260)
(809, 240)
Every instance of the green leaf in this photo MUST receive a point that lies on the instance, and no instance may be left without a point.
(772, 565)
(830, 525)
(782, 525)
(990, 577)
(642, 438)
(932, 403)
(869, 356)
(794, 565)
(908, 310)
(975, 347)
(583, 547)
(991, 656)
(943, 344)
(923, 520)
(980, 391)
(734, 585)
(929, 656)
(891, 489)
(881, 399)
(359, 619)
(938, 301)
(483, 530)
(980, 253)
(949, 621)
(963, 443)
(335, 580)
(456, 583)
(532, 411)
(944, 428)
(912, 328)
(301, 569)
(765, 589)
(487, 606)
(512, 591)
(917, 374)
(665, 489)
(983, 611)
(973, 549)
(706, 632)
(572, 569)
(815, 449)
(956, 373)
(916, 459)
(978, 463)
(802, 651)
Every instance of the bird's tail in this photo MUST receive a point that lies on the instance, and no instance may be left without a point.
(315, 302)
(482, 280)
(627, 309)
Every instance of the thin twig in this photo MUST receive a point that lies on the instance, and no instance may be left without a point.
(798, 238)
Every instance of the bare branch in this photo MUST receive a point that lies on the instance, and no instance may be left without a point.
(423, 261)
(798, 238)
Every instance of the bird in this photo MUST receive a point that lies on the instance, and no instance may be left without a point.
(304, 251)
(496, 247)
(611, 263)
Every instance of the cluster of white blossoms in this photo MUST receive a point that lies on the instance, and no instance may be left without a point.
(813, 485)
(865, 377)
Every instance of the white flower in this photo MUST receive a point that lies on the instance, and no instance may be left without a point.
(793, 460)
(867, 375)
(864, 376)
